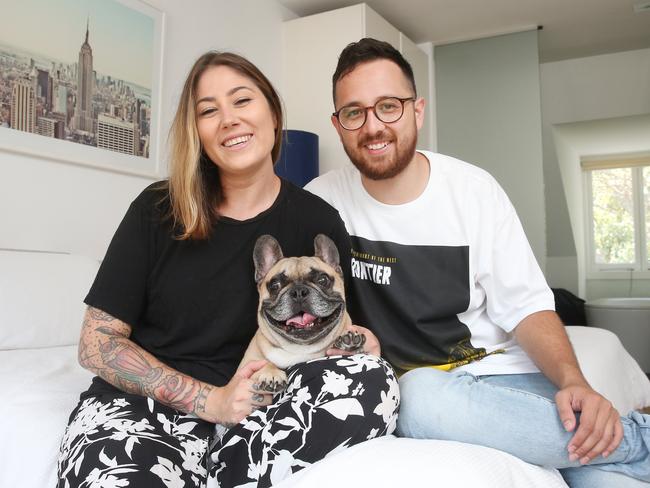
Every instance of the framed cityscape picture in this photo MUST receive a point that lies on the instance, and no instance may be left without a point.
(80, 82)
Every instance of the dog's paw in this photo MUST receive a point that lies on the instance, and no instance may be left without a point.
(269, 379)
(350, 341)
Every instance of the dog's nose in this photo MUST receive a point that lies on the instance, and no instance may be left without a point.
(299, 292)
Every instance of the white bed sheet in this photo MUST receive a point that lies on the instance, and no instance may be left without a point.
(40, 387)
(609, 368)
(389, 461)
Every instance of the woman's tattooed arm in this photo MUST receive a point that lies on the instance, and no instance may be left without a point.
(106, 350)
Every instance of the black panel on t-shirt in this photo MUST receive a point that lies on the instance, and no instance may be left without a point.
(193, 304)
(410, 296)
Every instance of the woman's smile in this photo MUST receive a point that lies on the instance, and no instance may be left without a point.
(237, 142)
(234, 120)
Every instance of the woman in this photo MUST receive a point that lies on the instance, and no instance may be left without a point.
(173, 308)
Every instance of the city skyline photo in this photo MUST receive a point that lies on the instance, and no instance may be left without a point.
(81, 71)
(114, 28)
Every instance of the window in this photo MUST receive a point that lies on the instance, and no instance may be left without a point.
(618, 207)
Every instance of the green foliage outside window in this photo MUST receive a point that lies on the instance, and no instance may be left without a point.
(613, 213)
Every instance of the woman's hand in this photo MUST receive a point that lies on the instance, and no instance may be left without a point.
(230, 404)
(371, 346)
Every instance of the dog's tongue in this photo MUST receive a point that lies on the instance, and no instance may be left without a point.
(301, 321)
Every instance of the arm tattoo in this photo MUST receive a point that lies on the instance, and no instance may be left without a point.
(85, 350)
(199, 403)
(129, 368)
(110, 353)
(128, 362)
(109, 332)
(179, 392)
(97, 314)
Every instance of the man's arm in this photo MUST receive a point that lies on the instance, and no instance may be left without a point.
(543, 337)
(106, 350)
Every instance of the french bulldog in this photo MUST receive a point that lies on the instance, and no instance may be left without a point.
(301, 311)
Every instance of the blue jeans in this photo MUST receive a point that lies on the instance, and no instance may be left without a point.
(516, 414)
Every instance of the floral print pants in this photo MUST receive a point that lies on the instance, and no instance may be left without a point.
(328, 405)
(134, 441)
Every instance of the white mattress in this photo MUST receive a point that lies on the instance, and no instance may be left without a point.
(40, 387)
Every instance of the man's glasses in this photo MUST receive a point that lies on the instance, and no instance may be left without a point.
(388, 110)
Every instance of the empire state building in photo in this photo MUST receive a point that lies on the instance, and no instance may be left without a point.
(83, 117)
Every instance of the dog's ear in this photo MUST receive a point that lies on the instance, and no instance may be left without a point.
(267, 252)
(325, 249)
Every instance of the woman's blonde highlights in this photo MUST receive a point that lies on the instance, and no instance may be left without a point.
(194, 188)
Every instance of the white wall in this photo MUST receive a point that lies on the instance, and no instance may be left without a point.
(597, 87)
(50, 205)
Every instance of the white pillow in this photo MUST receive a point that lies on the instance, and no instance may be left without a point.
(609, 368)
(389, 462)
(41, 298)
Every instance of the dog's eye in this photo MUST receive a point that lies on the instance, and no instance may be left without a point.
(274, 286)
(323, 280)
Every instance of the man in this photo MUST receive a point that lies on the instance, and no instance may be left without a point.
(443, 274)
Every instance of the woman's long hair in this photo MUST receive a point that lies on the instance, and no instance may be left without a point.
(194, 186)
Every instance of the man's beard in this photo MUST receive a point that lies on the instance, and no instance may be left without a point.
(382, 169)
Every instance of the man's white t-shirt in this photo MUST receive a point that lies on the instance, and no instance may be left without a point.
(444, 279)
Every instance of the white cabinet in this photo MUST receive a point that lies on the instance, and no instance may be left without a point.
(311, 48)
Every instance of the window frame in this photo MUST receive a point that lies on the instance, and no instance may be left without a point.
(640, 269)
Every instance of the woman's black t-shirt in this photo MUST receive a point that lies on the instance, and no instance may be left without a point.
(193, 304)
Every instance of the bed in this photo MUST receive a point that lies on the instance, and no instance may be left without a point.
(40, 316)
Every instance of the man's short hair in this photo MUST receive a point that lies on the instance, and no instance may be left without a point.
(365, 50)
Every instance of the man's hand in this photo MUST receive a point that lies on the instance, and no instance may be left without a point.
(371, 346)
(543, 337)
(600, 430)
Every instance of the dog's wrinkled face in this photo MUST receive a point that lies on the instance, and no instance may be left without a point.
(301, 299)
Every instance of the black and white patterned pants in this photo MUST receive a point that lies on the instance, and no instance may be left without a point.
(328, 405)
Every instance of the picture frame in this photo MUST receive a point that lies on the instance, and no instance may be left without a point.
(127, 118)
